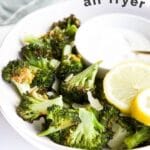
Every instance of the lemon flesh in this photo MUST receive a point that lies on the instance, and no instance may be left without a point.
(140, 108)
(123, 83)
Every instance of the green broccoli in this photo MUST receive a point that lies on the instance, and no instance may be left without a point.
(44, 79)
(139, 137)
(89, 134)
(51, 44)
(118, 126)
(72, 26)
(62, 33)
(119, 134)
(60, 118)
(36, 49)
(127, 132)
(108, 116)
(129, 123)
(70, 23)
(58, 42)
(12, 69)
(24, 74)
(20, 74)
(75, 87)
(70, 63)
(34, 105)
(78, 128)
(45, 76)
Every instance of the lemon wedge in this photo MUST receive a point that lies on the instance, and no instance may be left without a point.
(140, 108)
(123, 83)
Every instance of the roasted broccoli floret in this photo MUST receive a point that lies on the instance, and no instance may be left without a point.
(51, 44)
(44, 79)
(76, 87)
(89, 134)
(59, 119)
(13, 69)
(37, 48)
(139, 137)
(62, 33)
(119, 134)
(127, 132)
(34, 105)
(70, 24)
(58, 41)
(25, 74)
(20, 74)
(45, 76)
(108, 116)
(44, 64)
(78, 128)
(70, 63)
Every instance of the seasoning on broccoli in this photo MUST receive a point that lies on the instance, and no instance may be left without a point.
(20, 74)
(26, 74)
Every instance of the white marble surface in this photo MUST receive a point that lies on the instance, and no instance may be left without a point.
(9, 138)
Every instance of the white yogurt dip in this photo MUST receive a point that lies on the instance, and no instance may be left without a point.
(113, 38)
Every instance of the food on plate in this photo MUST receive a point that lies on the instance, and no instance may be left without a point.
(70, 63)
(140, 136)
(34, 105)
(79, 110)
(75, 127)
(75, 87)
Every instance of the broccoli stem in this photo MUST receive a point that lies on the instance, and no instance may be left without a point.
(21, 87)
(137, 138)
(53, 129)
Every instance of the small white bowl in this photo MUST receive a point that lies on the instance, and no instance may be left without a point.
(112, 38)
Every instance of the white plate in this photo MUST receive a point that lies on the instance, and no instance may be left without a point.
(35, 24)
